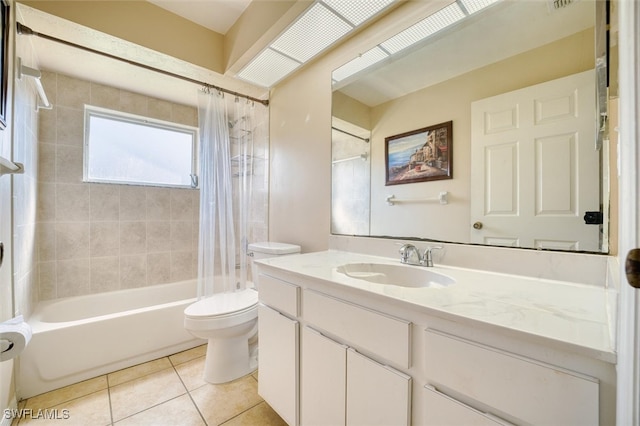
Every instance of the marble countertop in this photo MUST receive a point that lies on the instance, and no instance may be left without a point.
(569, 313)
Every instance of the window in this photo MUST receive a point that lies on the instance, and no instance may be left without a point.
(129, 149)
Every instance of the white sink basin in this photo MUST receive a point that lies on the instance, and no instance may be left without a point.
(398, 275)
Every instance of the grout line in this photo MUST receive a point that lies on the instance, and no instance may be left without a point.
(241, 413)
(189, 393)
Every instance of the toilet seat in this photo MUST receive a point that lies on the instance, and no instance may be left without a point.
(222, 305)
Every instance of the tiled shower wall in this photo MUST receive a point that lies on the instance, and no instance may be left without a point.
(101, 237)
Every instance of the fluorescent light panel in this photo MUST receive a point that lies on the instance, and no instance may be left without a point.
(324, 23)
(363, 61)
(357, 12)
(423, 29)
(267, 68)
(315, 31)
(473, 6)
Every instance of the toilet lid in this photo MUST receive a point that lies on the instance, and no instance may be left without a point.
(223, 303)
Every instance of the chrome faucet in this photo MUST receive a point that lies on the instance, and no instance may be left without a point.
(410, 255)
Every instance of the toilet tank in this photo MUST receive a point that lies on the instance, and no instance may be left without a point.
(268, 249)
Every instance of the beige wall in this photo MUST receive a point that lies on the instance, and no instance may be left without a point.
(100, 237)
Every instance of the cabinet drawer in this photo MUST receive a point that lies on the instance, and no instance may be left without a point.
(442, 410)
(525, 389)
(278, 294)
(385, 336)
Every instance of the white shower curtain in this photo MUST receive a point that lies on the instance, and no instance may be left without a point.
(229, 127)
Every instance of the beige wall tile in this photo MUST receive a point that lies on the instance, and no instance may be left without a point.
(70, 126)
(105, 274)
(72, 202)
(133, 237)
(133, 271)
(47, 280)
(158, 236)
(105, 96)
(105, 202)
(132, 202)
(69, 164)
(46, 241)
(181, 207)
(104, 239)
(47, 162)
(133, 103)
(181, 236)
(181, 266)
(158, 203)
(47, 124)
(46, 206)
(159, 109)
(72, 277)
(72, 93)
(158, 268)
(185, 115)
(72, 240)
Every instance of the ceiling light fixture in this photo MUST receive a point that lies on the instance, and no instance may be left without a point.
(324, 23)
(416, 33)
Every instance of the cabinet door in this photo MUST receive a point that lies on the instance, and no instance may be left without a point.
(443, 410)
(323, 380)
(376, 394)
(278, 363)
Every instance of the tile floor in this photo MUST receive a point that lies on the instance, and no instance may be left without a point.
(167, 391)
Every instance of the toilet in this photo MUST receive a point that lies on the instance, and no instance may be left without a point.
(229, 322)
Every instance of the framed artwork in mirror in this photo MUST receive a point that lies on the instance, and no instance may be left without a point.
(4, 61)
(420, 155)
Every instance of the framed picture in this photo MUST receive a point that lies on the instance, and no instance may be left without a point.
(4, 61)
(420, 155)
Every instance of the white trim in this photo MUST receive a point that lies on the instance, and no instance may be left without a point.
(7, 420)
(628, 375)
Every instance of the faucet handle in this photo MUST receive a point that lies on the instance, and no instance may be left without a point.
(428, 258)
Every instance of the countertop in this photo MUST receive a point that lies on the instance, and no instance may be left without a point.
(569, 313)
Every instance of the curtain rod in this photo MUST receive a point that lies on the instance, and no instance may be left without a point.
(350, 134)
(22, 29)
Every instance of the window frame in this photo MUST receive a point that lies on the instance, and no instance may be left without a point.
(93, 111)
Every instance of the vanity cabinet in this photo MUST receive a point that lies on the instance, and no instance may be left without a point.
(278, 331)
(341, 386)
(331, 354)
(471, 380)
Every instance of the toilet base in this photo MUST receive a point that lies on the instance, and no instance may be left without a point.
(229, 359)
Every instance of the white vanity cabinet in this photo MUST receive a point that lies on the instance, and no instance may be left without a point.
(495, 385)
(340, 384)
(278, 331)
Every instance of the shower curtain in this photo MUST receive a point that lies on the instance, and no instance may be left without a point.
(229, 128)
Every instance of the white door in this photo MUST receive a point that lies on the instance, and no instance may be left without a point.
(534, 167)
(628, 368)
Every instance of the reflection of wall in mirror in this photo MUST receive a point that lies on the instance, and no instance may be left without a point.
(451, 100)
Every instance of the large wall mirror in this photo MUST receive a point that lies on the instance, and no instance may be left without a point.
(526, 86)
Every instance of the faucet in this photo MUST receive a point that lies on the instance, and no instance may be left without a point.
(410, 255)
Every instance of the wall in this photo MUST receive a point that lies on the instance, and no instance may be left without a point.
(447, 101)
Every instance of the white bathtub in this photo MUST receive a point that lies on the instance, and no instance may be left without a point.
(81, 337)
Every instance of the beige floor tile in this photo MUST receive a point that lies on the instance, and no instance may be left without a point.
(140, 394)
(67, 393)
(138, 371)
(191, 373)
(188, 355)
(178, 411)
(219, 403)
(91, 409)
(262, 414)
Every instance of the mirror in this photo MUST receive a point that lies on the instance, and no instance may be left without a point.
(506, 76)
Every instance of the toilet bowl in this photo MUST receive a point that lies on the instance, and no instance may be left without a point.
(229, 322)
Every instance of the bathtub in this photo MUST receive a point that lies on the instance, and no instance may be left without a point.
(81, 337)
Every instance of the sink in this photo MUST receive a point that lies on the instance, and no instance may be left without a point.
(398, 275)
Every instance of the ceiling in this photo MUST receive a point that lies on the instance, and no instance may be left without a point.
(57, 57)
(217, 15)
